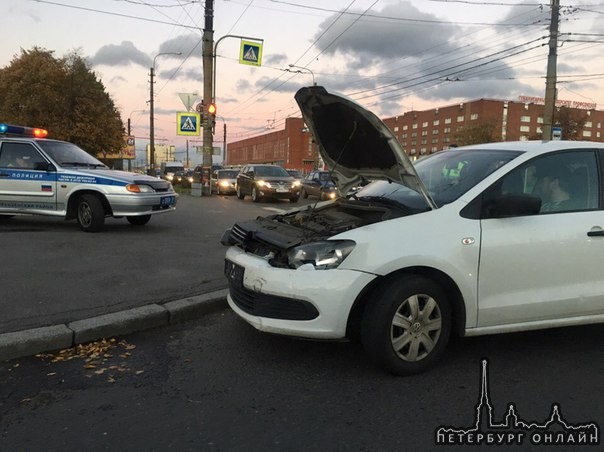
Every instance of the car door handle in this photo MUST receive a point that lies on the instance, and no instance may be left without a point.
(595, 233)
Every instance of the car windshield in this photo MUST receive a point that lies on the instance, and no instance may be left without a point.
(227, 174)
(270, 171)
(324, 177)
(446, 175)
(295, 173)
(68, 154)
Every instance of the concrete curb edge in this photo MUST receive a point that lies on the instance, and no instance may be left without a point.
(45, 339)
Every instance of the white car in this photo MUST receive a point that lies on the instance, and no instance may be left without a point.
(476, 240)
(39, 176)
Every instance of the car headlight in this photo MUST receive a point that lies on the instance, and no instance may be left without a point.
(262, 183)
(190, 179)
(169, 177)
(322, 255)
(224, 183)
(139, 188)
(296, 183)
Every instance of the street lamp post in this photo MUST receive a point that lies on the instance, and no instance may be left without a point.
(151, 170)
(299, 71)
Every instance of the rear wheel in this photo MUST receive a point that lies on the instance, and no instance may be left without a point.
(240, 194)
(303, 194)
(406, 328)
(141, 220)
(90, 213)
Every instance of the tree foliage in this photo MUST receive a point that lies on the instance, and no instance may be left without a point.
(476, 134)
(571, 121)
(62, 95)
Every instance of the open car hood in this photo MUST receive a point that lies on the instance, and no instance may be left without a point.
(354, 142)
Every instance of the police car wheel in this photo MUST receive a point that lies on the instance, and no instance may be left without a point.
(255, 195)
(90, 213)
(140, 220)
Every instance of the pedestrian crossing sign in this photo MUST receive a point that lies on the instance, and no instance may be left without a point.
(187, 123)
(251, 53)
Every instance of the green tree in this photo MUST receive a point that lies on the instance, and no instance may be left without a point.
(477, 134)
(63, 95)
(572, 122)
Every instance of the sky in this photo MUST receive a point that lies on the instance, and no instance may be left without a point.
(391, 56)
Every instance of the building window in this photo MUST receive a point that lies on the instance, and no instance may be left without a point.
(404, 135)
(446, 140)
(413, 143)
(523, 138)
(525, 129)
(436, 122)
(413, 134)
(460, 119)
(414, 126)
(404, 144)
(539, 130)
(473, 116)
(396, 129)
(434, 149)
(589, 124)
(587, 133)
(540, 120)
(525, 119)
(424, 133)
(434, 140)
(447, 120)
(599, 125)
(425, 124)
(434, 131)
(424, 141)
(447, 130)
(597, 134)
(405, 127)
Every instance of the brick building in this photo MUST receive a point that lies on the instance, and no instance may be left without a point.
(419, 132)
(291, 147)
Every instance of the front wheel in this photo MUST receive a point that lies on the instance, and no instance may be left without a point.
(240, 194)
(140, 220)
(407, 326)
(90, 213)
(255, 195)
(304, 194)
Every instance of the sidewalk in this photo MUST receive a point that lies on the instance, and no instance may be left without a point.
(45, 339)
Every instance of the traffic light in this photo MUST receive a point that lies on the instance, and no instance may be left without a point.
(211, 116)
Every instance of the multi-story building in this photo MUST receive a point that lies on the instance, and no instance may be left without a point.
(420, 132)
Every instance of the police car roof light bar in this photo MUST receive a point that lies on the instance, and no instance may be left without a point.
(9, 129)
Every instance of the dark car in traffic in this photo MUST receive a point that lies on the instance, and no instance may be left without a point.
(267, 181)
(319, 183)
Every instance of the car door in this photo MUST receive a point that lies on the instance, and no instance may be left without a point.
(546, 266)
(28, 183)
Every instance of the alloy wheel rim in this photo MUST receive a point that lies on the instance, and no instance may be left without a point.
(416, 327)
(85, 214)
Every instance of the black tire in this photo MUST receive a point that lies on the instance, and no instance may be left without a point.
(255, 195)
(303, 194)
(140, 220)
(294, 199)
(90, 213)
(408, 347)
(240, 194)
(322, 196)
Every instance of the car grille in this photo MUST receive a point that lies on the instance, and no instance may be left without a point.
(262, 305)
(237, 234)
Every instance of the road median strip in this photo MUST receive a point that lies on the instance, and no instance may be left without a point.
(44, 339)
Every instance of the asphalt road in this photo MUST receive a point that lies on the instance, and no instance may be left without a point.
(54, 273)
(216, 384)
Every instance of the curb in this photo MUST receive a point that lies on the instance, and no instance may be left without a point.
(45, 339)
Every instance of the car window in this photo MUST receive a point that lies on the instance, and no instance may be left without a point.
(227, 174)
(19, 155)
(271, 171)
(565, 181)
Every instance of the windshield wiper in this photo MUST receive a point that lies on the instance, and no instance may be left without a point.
(88, 165)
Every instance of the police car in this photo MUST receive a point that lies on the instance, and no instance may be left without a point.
(40, 176)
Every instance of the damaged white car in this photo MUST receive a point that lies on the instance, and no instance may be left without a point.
(470, 241)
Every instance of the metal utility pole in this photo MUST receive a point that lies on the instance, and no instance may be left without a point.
(207, 55)
(550, 79)
(224, 146)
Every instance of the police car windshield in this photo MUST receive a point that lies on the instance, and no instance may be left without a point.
(67, 154)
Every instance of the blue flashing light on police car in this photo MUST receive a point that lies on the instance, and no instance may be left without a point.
(33, 132)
